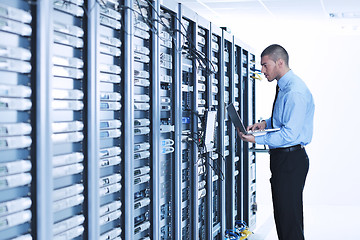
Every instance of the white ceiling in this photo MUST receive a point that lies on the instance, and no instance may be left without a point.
(298, 10)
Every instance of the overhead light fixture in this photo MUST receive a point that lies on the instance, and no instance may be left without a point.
(343, 15)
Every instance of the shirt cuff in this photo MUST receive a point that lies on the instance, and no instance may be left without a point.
(268, 123)
(260, 139)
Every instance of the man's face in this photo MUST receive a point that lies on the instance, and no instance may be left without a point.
(269, 68)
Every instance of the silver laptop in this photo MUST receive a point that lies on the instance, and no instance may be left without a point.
(236, 120)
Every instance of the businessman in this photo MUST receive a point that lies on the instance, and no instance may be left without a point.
(293, 113)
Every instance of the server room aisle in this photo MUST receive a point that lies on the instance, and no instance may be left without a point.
(321, 222)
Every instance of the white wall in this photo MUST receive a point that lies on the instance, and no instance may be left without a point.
(332, 71)
(329, 62)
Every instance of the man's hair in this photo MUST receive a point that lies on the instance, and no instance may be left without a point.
(275, 52)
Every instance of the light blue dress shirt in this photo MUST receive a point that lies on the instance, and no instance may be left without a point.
(293, 114)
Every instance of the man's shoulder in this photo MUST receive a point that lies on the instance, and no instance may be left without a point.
(297, 87)
(297, 84)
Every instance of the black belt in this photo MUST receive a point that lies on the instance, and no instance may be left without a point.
(286, 149)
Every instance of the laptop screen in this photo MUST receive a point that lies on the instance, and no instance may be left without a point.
(235, 118)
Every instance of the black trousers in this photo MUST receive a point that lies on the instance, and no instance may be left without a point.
(289, 170)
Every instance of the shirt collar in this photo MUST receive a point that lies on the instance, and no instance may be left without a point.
(284, 80)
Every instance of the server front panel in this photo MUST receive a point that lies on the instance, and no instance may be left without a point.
(167, 123)
(142, 47)
(110, 85)
(17, 161)
(188, 147)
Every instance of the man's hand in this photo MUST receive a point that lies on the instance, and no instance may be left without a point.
(257, 126)
(246, 138)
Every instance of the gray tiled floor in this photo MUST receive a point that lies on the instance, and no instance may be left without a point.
(321, 223)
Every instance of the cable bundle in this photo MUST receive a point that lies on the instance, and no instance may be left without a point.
(240, 232)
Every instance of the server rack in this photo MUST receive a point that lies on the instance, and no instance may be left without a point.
(205, 102)
(229, 132)
(109, 90)
(217, 160)
(111, 115)
(249, 158)
(67, 112)
(238, 146)
(180, 221)
(189, 90)
(145, 163)
(169, 118)
(17, 104)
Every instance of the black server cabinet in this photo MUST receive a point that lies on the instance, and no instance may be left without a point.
(230, 133)
(168, 120)
(238, 147)
(201, 45)
(171, 220)
(189, 126)
(217, 156)
(249, 157)
(204, 79)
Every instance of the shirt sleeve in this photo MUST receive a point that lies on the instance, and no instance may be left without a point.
(292, 119)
